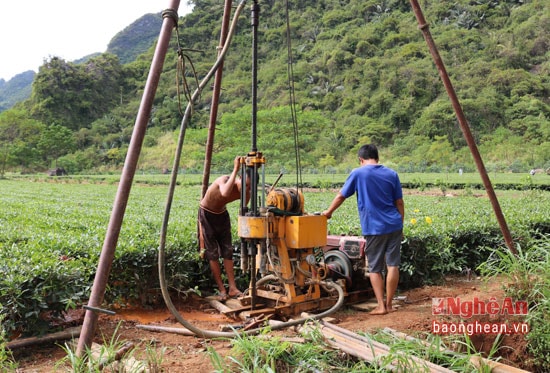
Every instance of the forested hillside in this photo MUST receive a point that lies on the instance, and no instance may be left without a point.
(361, 72)
(127, 45)
(136, 39)
(15, 90)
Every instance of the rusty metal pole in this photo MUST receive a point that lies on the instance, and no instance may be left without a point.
(215, 99)
(463, 125)
(121, 200)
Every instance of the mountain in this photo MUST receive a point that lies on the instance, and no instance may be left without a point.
(359, 70)
(127, 44)
(136, 39)
(16, 89)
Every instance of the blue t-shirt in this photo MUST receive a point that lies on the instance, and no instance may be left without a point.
(377, 188)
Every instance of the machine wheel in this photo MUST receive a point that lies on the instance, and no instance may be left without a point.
(340, 263)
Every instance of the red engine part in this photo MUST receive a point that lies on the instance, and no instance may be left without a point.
(352, 246)
(345, 258)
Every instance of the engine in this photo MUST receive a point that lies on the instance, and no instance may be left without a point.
(345, 258)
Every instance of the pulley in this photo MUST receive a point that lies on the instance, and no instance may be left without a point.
(287, 200)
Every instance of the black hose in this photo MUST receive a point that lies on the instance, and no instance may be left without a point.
(173, 181)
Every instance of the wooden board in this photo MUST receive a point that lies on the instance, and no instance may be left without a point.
(257, 312)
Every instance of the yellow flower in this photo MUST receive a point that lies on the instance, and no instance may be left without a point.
(416, 211)
(413, 221)
(428, 220)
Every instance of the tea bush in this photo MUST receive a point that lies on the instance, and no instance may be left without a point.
(51, 235)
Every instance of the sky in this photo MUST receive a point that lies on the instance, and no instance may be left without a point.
(34, 30)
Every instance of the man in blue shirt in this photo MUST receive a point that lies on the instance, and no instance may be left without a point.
(381, 213)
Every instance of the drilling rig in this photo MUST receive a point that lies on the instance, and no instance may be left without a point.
(293, 266)
(291, 259)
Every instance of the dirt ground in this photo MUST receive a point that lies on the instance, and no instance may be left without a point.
(188, 353)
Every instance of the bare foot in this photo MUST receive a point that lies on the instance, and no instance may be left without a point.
(391, 309)
(378, 311)
(235, 293)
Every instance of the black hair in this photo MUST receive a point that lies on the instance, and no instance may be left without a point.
(369, 151)
(250, 173)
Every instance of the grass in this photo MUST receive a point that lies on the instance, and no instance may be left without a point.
(527, 277)
(267, 354)
(115, 354)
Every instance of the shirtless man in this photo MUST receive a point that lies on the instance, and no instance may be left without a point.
(215, 227)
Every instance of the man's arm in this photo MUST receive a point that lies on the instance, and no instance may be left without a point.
(336, 202)
(400, 204)
(227, 187)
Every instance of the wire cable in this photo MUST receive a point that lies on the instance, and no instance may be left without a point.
(292, 98)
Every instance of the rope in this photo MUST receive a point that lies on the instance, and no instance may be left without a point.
(180, 73)
(171, 13)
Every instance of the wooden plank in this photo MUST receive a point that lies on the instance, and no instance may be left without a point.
(495, 367)
(255, 313)
(219, 306)
(119, 362)
(222, 308)
(477, 361)
(236, 303)
(117, 359)
(350, 347)
(53, 337)
(165, 329)
(131, 364)
(367, 349)
(237, 306)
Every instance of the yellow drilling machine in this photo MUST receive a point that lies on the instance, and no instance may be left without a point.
(295, 266)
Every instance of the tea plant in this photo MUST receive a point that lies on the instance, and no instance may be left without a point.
(7, 363)
(51, 235)
(50, 241)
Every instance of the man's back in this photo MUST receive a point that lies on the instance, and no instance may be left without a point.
(378, 188)
(214, 200)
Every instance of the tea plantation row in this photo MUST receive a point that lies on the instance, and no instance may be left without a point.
(51, 235)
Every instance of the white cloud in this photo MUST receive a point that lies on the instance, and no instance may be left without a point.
(33, 30)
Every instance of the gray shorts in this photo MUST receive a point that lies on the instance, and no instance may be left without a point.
(384, 250)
